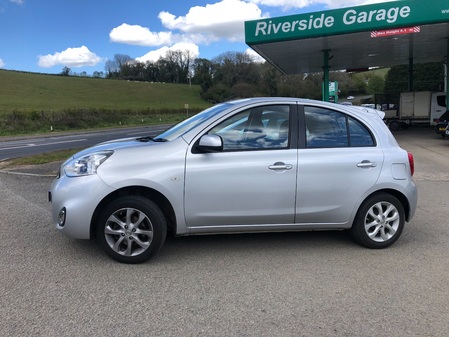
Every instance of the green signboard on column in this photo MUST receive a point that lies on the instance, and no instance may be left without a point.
(333, 91)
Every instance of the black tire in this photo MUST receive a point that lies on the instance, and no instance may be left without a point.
(394, 125)
(131, 229)
(443, 135)
(379, 221)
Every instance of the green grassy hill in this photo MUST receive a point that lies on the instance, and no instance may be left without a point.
(26, 92)
(33, 103)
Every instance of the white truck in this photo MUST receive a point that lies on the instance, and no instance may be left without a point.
(416, 108)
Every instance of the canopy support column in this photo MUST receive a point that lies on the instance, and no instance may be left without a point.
(326, 68)
(410, 74)
(446, 74)
(410, 65)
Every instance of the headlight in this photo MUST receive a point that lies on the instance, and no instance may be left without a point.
(86, 165)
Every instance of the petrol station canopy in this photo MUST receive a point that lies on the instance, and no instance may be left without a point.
(354, 38)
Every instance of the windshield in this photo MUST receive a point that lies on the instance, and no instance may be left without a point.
(190, 123)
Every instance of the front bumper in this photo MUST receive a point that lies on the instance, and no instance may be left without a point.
(79, 197)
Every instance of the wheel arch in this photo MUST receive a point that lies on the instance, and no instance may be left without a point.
(158, 198)
(398, 195)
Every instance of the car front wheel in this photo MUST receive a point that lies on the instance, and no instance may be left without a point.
(379, 221)
(131, 229)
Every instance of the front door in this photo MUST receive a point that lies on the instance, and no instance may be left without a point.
(253, 180)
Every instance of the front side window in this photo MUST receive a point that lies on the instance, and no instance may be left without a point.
(329, 128)
(260, 128)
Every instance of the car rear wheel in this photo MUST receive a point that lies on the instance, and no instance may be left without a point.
(379, 221)
(131, 229)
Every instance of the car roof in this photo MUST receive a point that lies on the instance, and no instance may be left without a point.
(351, 108)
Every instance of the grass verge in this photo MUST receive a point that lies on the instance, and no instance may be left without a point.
(40, 159)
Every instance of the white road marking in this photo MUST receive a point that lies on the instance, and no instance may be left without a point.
(44, 144)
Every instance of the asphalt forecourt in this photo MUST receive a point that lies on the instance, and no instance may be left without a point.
(285, 284)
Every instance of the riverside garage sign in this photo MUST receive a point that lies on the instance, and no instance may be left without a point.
(350, 17)
(347, 20)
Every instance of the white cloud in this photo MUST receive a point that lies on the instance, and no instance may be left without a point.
(71, 57)
(201, 25)
(154, 55)
(286, 4)
(19, 2)
(223, 19)
(2, 64)
(138, 35)
(254, 56)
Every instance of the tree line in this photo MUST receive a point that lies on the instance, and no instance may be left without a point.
(235, 74)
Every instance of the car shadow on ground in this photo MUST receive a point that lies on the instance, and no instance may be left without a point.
(225, 245)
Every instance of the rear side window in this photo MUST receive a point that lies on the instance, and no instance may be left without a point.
(329, 128)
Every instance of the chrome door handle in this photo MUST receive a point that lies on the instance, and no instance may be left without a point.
(366, 163)
(279, 166)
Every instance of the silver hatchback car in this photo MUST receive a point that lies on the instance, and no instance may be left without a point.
(251, 165)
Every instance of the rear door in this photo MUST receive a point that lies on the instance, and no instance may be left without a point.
(338, 162)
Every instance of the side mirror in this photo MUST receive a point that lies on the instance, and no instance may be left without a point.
(210, 143)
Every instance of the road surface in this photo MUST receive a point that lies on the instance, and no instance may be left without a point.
(14, 147)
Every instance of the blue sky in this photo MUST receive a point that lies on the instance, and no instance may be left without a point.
(47, 35)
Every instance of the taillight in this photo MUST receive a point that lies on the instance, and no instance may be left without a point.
(411, 161)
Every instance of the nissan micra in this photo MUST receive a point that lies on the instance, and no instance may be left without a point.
(250, 165)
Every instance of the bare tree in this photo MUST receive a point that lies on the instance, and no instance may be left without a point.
(65, 71)
(113, 67)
